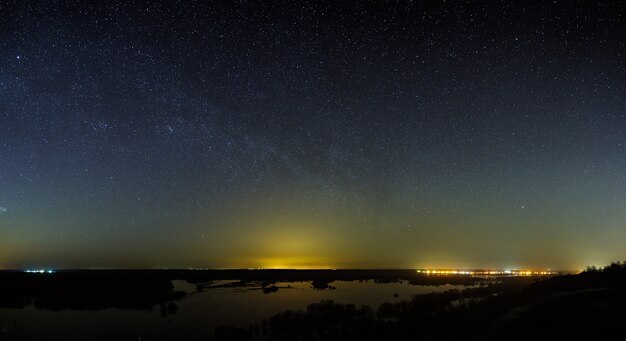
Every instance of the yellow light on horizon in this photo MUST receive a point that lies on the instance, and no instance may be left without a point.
(302, 263)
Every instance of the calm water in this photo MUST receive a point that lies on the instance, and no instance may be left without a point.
(198, 313)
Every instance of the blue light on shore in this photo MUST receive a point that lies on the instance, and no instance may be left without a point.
(40, 271)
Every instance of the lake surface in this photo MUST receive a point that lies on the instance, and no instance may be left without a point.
(196, 315)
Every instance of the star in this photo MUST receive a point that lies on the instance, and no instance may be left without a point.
(400, 129)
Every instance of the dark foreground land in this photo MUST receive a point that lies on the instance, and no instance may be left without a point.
(589, 305)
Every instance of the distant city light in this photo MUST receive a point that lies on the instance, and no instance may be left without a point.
(487, 272)
(40, 271)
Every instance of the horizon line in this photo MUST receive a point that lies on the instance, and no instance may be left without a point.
(291, 269)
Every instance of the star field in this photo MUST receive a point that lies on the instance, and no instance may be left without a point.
(312, 134)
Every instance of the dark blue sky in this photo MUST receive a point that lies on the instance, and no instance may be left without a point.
(312, 134)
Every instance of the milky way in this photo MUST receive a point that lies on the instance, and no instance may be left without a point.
(315, 134)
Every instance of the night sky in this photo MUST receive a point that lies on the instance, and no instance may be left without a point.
(312, 134)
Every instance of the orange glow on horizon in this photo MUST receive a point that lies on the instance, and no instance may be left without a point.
(296, 263)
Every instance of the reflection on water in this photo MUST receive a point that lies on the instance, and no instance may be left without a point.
(200, 311)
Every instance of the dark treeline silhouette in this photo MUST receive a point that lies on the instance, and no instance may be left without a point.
(589, 305)
(86, 290)
(614, 267)
(612, 276)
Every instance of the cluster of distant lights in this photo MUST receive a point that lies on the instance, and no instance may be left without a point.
(488, 272)
(426, 272)
(40, 271)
